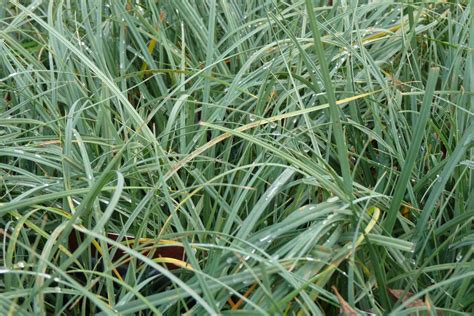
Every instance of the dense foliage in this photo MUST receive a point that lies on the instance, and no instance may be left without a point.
(306, 156)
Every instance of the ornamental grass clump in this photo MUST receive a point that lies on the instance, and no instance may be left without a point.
(223, 157)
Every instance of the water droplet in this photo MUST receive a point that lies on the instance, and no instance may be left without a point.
(20, 264)
(18, 151)
(276, 133)
(267, 238)
(468, 163)
(229, 260)
(459, 257)
(333, 199)
(272, 192)
(295, 120)
(56, 280)
(37, 156)
(252, 118)
(306, 149)
(273, 125)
